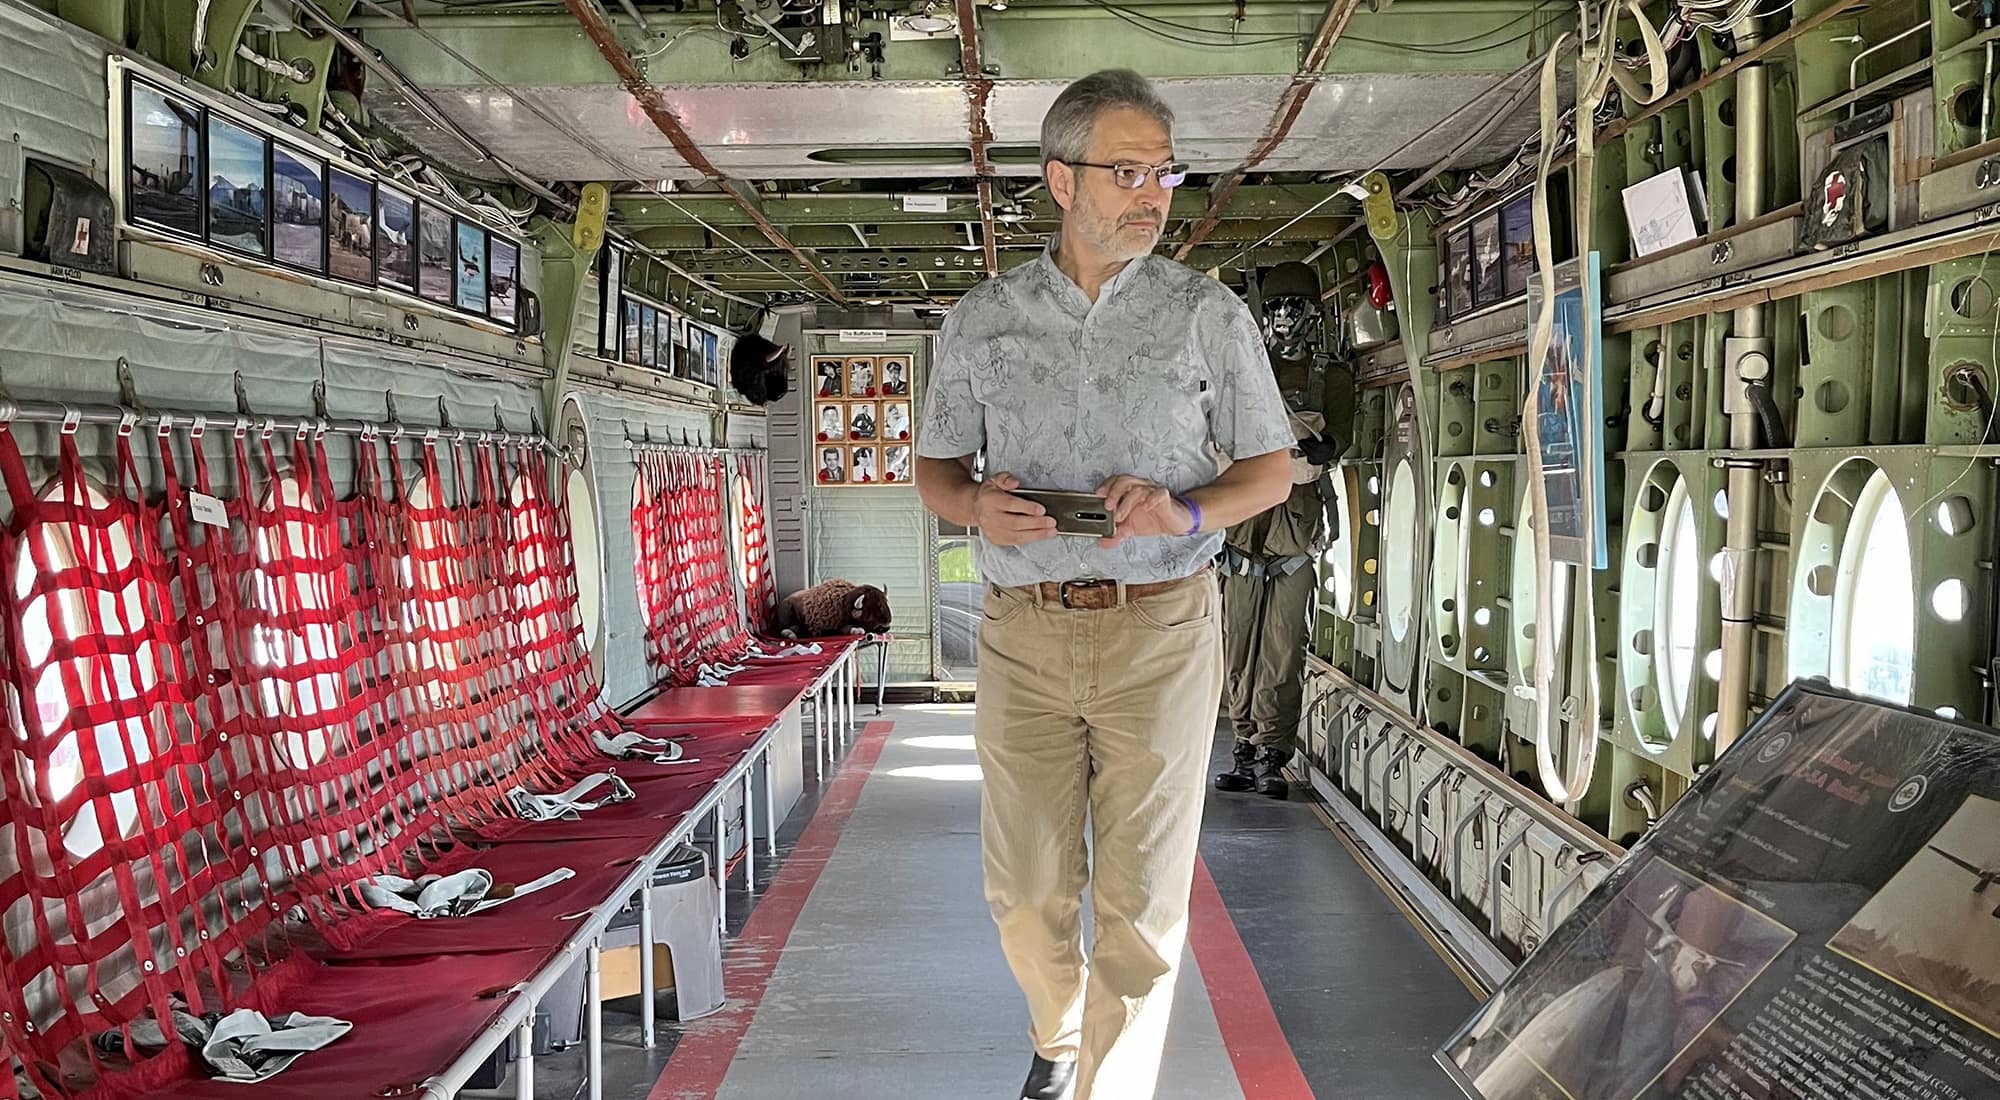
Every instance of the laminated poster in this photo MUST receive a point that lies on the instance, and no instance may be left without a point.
(1818, 919)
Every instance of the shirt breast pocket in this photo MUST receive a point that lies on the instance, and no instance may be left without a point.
(1177, 392)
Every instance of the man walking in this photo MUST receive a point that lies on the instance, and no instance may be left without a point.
(1100, 367)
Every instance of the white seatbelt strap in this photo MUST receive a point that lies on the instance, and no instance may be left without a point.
(638, 746)
(761, 654)
(249, 1047)
(458, 895)
(571, 804)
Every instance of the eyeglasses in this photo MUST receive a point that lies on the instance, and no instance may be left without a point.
(1133, 176)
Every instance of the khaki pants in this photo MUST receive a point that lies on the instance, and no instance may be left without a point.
(1110, 712)
(1267, 622)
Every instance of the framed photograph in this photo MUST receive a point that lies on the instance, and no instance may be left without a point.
(861, 376)
(395, 240)
(238, 187)
(896, 421)
(649, 336)
(470, 268)
(1569, 429)
(1458, 276)
(895, 375)
(610, 272)
(629, 344)
(1517, 232)
(711, 349)
(163, 161)
(896, 465)
(298, 209)
(832, 469)
(350, 227)
(864, 471)
(863, 421)
(663, 345)
(503, 279)
(433, 254)
(829, 423)
(827, 375)
(1488, 279)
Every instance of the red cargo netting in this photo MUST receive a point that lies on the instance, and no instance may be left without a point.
(229, 711)
(682, 565)
(760, 588)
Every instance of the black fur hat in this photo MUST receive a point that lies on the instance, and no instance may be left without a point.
(757, 368)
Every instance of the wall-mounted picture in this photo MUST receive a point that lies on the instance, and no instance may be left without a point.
(629, 345)
(895, 376)
(1458, 271)
(434, 254)
(164, 173)
(896, 465)
(830, 424)
(832, 465)
(861, 377)
(861, 422)
(298, 209)
(471, 268)
(864, 472)
(350, 227)
(826, 375)
(503, 279)
(895, 420)
(649, 336)
(237, 213)
(395, 240)
(663, 344)
(609, 276)
(712, 356)
(1486, 260)
(1517, 228)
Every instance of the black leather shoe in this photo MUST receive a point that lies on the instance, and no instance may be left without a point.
(1243, 776)
(1049, 1080)
(1270, 771)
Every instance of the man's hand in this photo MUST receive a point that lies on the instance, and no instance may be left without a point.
(1141, 508)
(1004, 519)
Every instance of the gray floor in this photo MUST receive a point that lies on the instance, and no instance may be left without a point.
(893, 984)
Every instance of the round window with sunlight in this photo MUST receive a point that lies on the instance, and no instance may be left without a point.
(587, 554)
(1677, 604)
(294, 584)
(90, 556)
(1399, 535)
(1875, 605)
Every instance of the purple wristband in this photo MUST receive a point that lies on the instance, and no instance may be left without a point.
(1195, 511)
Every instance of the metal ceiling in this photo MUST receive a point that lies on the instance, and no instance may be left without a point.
(610, 105)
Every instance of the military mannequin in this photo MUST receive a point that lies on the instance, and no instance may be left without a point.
(1268, 562)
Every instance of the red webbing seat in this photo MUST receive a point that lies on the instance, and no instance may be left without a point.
(231, 709)
(686, 593)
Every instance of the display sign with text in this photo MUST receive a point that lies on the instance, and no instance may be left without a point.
(1818, 919)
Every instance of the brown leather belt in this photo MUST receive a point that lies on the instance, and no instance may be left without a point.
(1101, 595)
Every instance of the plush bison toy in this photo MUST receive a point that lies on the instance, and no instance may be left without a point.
(833, 607)
(757, 368)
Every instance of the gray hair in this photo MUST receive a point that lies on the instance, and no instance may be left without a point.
(1072, 119)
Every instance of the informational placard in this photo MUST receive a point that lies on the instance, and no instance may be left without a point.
(1818, 919)
(1569, 429)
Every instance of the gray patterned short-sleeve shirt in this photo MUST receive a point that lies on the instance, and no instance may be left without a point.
(1063, 394)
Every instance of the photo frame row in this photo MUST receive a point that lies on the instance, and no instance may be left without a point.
(863, 421)
(863, 464)
(199, 174)
(1488, 259)
(862, 376)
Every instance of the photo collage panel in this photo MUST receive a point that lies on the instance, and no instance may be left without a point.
(864, 419)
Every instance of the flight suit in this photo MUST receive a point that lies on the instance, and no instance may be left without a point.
(1268, 583)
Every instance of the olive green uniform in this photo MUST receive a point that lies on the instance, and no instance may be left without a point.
(1267, 605)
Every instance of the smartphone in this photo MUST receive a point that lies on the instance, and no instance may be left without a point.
(1075, 513)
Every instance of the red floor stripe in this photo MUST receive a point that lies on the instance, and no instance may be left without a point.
(1265, 1065)
(703, 1057)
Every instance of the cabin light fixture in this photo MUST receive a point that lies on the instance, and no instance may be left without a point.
(998, 5)
(926, 17)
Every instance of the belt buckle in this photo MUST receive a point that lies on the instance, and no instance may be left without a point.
(1081, 586)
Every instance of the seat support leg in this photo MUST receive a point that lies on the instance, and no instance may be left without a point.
(881, 675)
(770, 804)
(524, 1058)
(646, 986)
(594, 1016)
(721, 876)
(749, 837)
